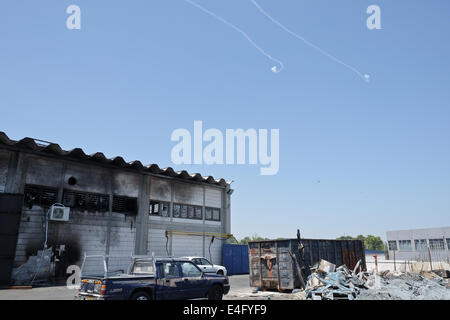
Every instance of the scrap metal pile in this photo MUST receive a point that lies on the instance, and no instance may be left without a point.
(329, 283)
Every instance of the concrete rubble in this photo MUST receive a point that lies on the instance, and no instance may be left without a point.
(407, 286)
(35, 270)
(350, 284)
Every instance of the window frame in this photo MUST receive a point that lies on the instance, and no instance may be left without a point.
(212, 214)
(392, 242)
(161, 205)
(143, 262)
(193, 265)
(402, 247)
(420, 244)
(208, 262)
(43, 198)
(163, 271)
(87, 196)
(432, 244)
(185, 207)
(128, 201)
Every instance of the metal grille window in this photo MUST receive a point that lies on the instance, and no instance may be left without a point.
(436, 244)
(392, 245)
(86, 201)
(39, 196)
(187, 211)
(176, 210)
(405, 245)
(159, 208)
(127, 205)
(420, 244)
(212, 214)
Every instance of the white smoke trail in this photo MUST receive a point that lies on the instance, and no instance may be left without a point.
(245, 35)
(365, 77)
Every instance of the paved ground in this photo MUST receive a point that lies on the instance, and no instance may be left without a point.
(240, 289)
(47, 293)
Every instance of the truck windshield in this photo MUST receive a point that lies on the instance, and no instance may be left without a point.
(143, 267)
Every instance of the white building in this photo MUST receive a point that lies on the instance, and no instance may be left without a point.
(419, 244)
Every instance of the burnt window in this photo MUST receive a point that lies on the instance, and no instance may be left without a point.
(86, 201)
(187, 211)
(212, 214)
(159, 208)
(176, 210)
(125, 205)
(43, 196)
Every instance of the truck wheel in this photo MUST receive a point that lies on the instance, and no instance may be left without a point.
(141, 295)
(220, 272)
(215, 293)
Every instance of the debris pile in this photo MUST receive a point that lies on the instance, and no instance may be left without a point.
(407, 286)
(36, 270)
(330, 283)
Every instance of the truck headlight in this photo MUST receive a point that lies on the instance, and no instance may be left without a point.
(97, 287)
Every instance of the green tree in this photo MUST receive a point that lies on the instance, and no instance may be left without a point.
(246, 239)
(370, 242)
(345, 238)
(374, 243)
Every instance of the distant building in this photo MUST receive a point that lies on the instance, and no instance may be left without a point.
(419, 244)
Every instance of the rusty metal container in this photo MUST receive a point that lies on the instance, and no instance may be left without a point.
(273, 268)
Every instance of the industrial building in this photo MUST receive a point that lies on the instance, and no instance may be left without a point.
(419, 244)
(116, 207)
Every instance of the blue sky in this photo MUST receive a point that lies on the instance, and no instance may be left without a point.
(355, 157)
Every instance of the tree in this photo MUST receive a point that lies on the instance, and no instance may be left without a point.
(246, 239)
(370, 242)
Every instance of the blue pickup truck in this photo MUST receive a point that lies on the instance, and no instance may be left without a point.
(155, 279)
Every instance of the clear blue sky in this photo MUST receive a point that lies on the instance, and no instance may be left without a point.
(355, 158)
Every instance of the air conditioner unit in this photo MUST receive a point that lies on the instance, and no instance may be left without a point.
(59, 213)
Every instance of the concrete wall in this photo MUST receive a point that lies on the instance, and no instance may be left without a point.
(407, 265)
(420, 254)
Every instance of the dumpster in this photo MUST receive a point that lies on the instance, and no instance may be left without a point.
(272, 265)
(235, 258)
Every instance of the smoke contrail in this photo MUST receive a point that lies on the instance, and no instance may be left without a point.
(365, 77)
(274, 69)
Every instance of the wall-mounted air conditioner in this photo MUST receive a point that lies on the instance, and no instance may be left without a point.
(59, 213)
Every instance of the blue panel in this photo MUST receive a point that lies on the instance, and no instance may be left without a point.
(235, 258)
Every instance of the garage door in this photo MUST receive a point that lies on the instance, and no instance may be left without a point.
(193, 246)
(187, 246)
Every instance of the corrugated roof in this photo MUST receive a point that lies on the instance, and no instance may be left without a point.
(98, 157)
